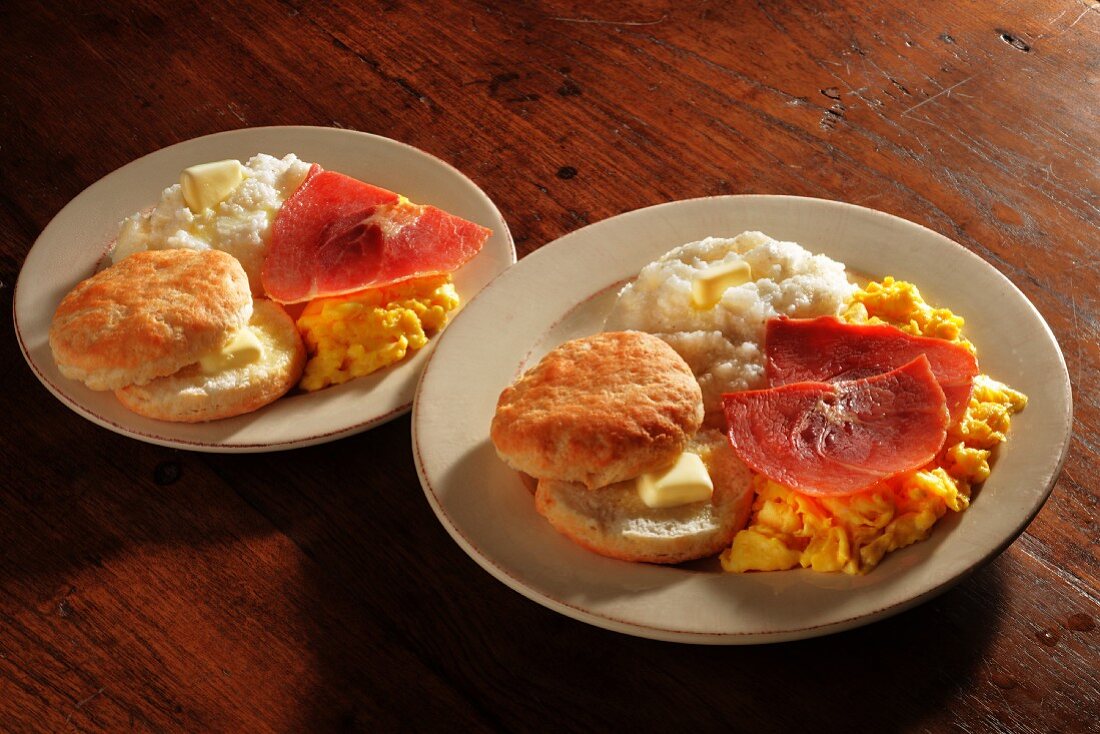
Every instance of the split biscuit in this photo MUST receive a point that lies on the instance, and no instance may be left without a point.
(191, 396)
(614, 521)
(599, 410)
(149, 315)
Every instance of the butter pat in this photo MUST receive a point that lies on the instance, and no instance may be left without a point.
(707, 287)
(243, 348)
(684, 482)
(204, 186)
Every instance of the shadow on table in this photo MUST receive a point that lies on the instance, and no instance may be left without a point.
(117, 580)
(888, 676)
(318, 601)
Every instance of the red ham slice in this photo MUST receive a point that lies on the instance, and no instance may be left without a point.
(337, 235)
(827, 349)
(834, 439)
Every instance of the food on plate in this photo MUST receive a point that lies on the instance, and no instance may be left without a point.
(836, 439)
(236, 219)
(148, 316)
(259, 364)
(167, 324)
(722, 343)
(827, 349)
(357, 334)
(899, 303)
(618, 521)
(852, 533)
(598, 410)
(855, 417)
(609, 427)
(336, 235)
(177, 336)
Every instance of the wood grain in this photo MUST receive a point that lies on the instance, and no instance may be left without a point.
(148, 589)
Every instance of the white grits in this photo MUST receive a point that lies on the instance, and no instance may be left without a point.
(239, 225)
(723, 344)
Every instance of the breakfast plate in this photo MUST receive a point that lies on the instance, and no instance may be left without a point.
(74, 243)
(565, 290)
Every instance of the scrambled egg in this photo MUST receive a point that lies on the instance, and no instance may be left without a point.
(353, 335)
(853, 533)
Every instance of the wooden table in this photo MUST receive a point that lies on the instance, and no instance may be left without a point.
(151, 589)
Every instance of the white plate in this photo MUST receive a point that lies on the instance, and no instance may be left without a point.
(70, 247)
(564, 290)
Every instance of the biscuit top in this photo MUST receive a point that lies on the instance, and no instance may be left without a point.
(148, 316)
(599, 410)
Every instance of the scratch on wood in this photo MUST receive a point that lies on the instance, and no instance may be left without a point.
(598, 21)
(420, 96)
(1076, 327)
(1089, 5)
(232, 107)
(1079, 17)
(1065, 576)
(80, 704)
(938, 94)
(925, 120)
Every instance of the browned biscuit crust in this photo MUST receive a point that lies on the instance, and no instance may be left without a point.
(613, 521)
(148, 315)
(189, 396)
(599, 410)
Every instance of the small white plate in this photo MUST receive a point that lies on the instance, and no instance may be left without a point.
(71, 246)
(565, 289)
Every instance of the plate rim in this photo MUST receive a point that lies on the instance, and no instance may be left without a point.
(615, 624)
(229, 446)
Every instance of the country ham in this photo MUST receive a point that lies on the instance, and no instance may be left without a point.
(833, 439)
(827, 350)
(338, 235)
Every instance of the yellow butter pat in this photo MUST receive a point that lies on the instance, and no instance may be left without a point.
(684, 482)
(204, 186)
(243, 348)
(707, 287)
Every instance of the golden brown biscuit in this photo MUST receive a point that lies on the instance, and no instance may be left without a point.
(148, 315)
(190, 396)
(613, 521)
(599, 410)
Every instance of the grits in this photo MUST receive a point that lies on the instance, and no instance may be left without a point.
(240, 224)
(723, 344)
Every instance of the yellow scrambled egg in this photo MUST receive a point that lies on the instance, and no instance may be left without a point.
(354, 335)
(853, 533)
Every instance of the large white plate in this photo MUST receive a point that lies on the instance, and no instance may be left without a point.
(564, 290)
(70, 247)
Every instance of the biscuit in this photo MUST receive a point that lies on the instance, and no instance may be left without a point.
(148, 315)
(190, 396)
(613, 521)
(599, 410)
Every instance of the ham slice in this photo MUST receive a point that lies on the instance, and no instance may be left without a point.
(338, 235)
(827, 350)
(835, 439)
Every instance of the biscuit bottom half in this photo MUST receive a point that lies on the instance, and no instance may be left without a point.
(191, 396)
(613, 521)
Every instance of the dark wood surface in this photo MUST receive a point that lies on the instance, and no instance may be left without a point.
(149, 589)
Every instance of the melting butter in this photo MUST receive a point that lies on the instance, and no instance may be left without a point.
(707, 287)
(686, 481)
(206, 185)
(243, 348)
